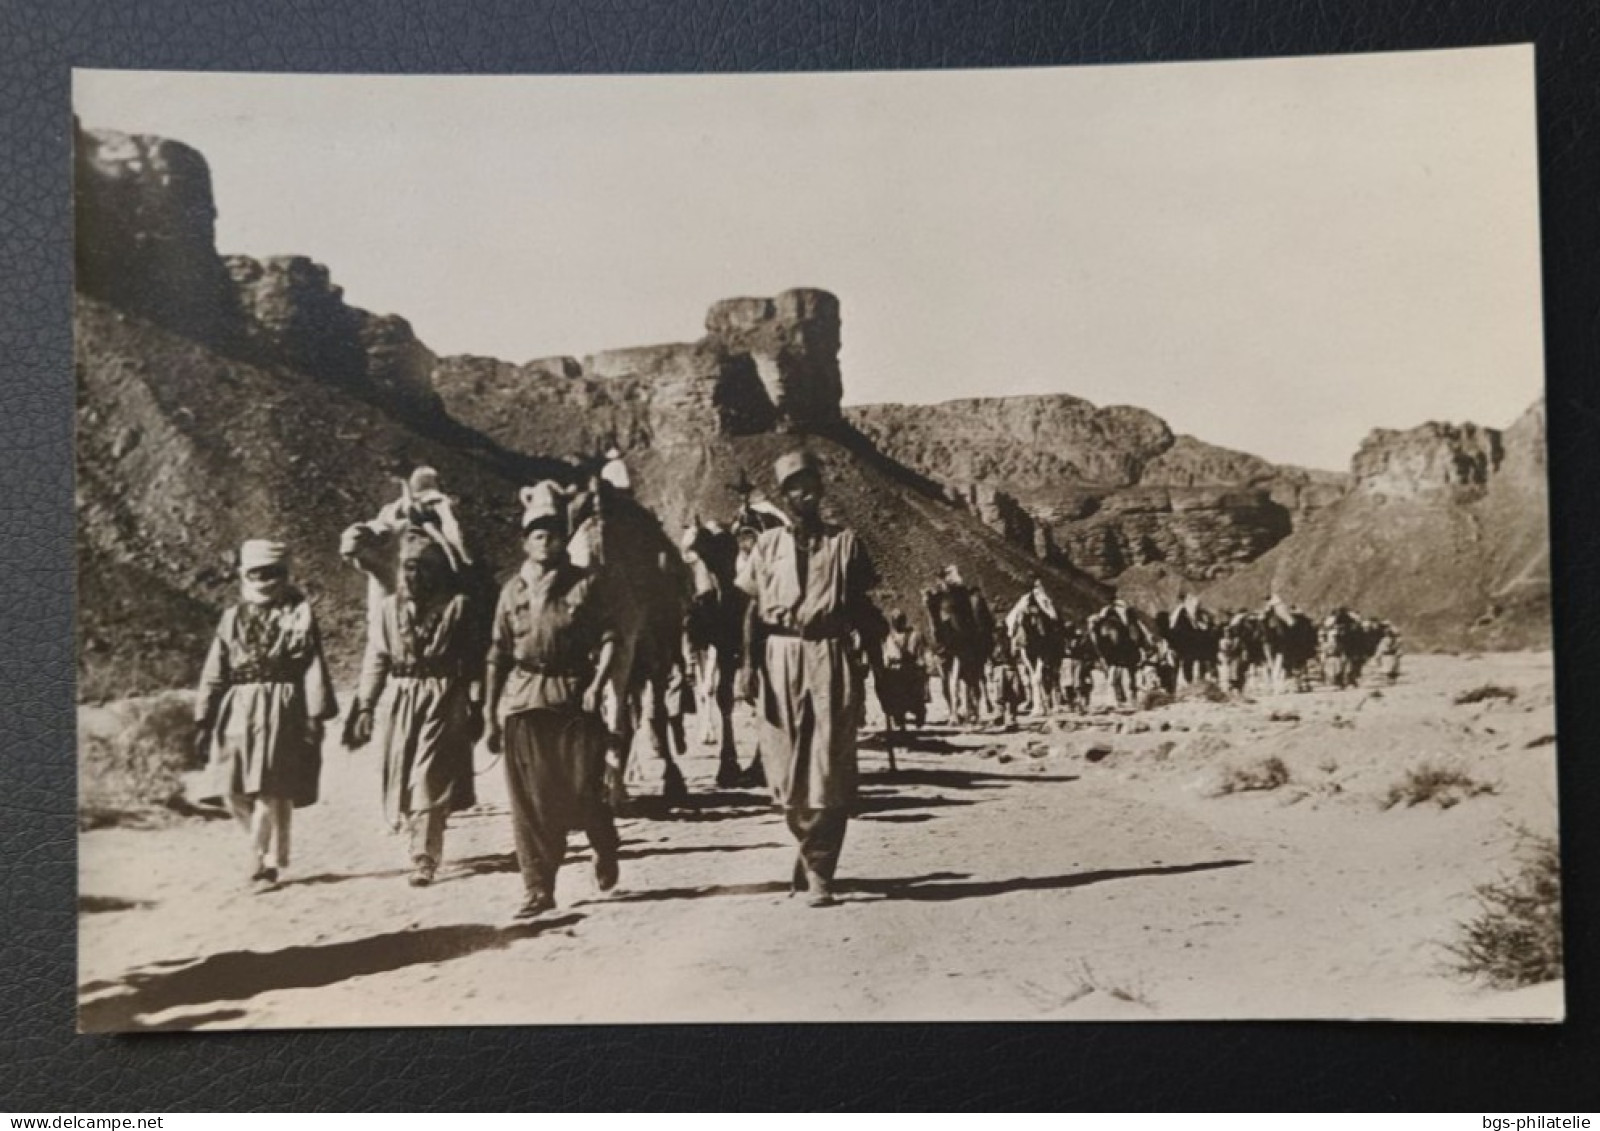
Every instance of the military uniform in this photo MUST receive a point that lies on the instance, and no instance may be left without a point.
(548, 630)
(809, 593)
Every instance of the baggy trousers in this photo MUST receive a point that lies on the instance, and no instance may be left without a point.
(820, 834)
(425, 832)
(266, 821)
(555, 773)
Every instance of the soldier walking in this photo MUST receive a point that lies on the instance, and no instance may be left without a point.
(810, 585)
(548, 662)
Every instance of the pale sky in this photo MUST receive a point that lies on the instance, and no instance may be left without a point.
(1273, 255)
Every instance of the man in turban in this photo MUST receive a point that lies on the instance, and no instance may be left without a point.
(264, 695)
(417, 697)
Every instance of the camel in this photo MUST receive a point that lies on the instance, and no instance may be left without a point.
(1119, 643)
(1193, 636)
(714, 638)
(963, 638)
(642, 581)
(1040, 645)
(1289, 642)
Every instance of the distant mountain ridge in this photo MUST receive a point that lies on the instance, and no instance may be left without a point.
(228, 397)
(1104, 489)
(1445, 531)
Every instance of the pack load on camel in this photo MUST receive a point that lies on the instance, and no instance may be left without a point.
(423, 508)
(1193, 634)
(1121, 641)
(1038, 644)
(1289, 642)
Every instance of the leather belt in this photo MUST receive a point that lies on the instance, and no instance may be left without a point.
(241, 678)
(423, 671)
(805, 633)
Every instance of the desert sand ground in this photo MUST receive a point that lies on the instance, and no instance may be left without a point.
(1085, 867)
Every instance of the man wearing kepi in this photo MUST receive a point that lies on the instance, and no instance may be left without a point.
(548, 663)
(417, 697)
(811, 585)
(264, 695)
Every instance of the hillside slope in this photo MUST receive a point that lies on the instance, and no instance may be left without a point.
(911, 530)
(183, 453)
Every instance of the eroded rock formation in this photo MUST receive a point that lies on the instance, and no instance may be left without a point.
(764, 364)
(146, 243)
(1103, 489)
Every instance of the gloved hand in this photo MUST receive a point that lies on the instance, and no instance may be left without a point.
(202, 744)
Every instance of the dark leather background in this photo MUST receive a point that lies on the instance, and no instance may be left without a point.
(45, 1067)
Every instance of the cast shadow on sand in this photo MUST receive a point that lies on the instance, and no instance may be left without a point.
(239, 975)
(935, 887)
(499, 863)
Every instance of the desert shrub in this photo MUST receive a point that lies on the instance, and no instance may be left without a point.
(1515, 938)
(137, 768)
(1154, 697)
(1444, 786)
(1203, 691)
(1486, 693)
(1267, 774)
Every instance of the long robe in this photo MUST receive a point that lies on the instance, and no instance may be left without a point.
(417, 679)
(811, 699)
(264, 681)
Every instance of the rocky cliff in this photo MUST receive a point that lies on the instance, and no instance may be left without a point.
(1445, 531)
(698, 419)
(1105, 489)
(764, 364)
(146, 244)
(222, 398)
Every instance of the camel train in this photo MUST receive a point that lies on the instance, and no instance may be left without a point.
(682, 622)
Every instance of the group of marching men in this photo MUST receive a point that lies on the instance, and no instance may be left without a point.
(1035, 660)
(528, 671)
(531, 668)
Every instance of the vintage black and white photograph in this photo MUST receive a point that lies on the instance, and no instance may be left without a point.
(1054, 544)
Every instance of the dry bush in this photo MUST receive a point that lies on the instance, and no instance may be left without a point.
(1515, 938)
(1154, 697)
(1485, 693)
(1441, 785)
(1267, 774)
(136, 770)
(1203, 691)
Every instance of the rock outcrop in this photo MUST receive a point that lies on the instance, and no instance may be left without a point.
(296, 316)
(146, 244)
(793, 343)
(1445, 532)
(146, 233)
(1457, 459)
(765, 364)
(1103, 489)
